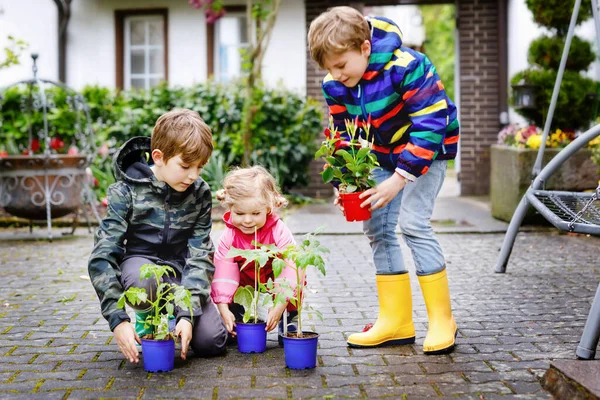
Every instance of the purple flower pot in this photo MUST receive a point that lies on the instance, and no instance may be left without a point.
(300, 353)
(159, 355)
(251, 338)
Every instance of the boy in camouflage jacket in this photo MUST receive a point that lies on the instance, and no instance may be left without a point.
(159, 211)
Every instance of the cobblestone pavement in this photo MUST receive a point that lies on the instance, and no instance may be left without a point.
(54, 343)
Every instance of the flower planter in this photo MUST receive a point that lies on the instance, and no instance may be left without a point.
(159, 355)
(510, 177)
(301, 353)
(352, 209)
(41, 187)
(251, 338)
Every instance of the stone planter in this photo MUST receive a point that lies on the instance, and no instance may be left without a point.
(511, 176)
(41, 187)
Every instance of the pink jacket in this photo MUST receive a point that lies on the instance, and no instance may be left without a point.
(227, 270)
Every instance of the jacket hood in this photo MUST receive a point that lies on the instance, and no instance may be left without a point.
(272, 219)
(386, 37)
(130, 163)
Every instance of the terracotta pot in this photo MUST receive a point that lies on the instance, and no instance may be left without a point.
(352, 209)
(29, 183)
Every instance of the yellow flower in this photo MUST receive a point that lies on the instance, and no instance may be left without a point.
(534, 141)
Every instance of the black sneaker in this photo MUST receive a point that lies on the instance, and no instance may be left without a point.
(292, 326)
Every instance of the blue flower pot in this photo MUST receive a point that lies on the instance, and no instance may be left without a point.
(251, 338)
(159, 355)
(301, 353)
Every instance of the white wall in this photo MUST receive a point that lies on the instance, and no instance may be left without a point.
(522, 30)
(91, 41)
(285, 60)
(91, 54)
(34, 21)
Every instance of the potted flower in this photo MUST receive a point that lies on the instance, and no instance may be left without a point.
(512, 160)
(348, 164)
(300, 347)
(251, 332)
(158, 348)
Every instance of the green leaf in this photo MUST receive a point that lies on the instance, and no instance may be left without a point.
(327, 175)
(244, 296)
(278, 266)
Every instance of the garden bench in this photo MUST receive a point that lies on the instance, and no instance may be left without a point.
(567, 211)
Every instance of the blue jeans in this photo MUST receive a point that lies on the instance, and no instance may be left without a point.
(412, 207)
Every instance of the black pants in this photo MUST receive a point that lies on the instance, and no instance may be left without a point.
(209, 334)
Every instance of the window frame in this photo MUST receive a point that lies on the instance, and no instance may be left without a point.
(120, 17)
(211, 38)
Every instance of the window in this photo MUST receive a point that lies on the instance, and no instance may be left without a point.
(226, 38)
(141, 48)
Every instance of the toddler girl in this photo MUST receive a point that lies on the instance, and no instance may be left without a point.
(251, 197)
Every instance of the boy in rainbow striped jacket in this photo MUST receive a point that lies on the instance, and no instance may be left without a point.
(415, 131)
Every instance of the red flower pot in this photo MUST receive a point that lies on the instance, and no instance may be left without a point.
(351, 204)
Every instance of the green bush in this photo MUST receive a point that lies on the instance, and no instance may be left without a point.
(574, 107)
(22, 128)
(546, 52)
(286, 124)
(557, 13)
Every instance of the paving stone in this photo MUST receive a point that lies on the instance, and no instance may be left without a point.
(200, 393)
(347, 392)
(510, 327)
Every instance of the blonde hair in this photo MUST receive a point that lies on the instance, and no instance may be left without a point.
(182, 132)
(336, 31)
(253, 182)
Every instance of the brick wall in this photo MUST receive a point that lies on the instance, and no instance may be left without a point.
(479, 91)
(480, 94)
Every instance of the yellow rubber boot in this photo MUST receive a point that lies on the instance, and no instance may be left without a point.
(442, 328)
(394, 324)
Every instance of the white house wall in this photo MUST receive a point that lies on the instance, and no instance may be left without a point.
(91, 41)
(34, 21)
(522, 30)
(285, 60)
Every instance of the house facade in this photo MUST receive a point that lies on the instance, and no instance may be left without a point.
(137, 43)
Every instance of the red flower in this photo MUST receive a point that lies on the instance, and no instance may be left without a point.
(73, 151)
(25, 152)
(35, 145)
(3, 153)
(341, 143)
(105, 202)
(327, 133)
(56, 143)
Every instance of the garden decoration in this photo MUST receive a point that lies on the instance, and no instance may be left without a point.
(251, 335)
(46, 147)
(158, 348)
(568, 211)
(300, 348)
(349, 164)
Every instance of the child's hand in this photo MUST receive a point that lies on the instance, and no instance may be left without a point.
(183, 330)
(338, 203)
(274, 316)
(126, 338)
(228, 317)
(382, 194)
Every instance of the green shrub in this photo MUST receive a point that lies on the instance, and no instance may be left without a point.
(286, 124)
(546, 52)
(557, 13)
(574, 107)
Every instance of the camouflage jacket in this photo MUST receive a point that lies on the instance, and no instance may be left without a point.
(146, 217)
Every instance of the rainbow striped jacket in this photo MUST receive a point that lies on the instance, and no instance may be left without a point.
(413, 122)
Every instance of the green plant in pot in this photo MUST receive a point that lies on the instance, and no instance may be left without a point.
(251, 332)
(158, 348)
(300, 347)
(349, 162)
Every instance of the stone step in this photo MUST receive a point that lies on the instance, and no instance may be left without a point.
(573, 379)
